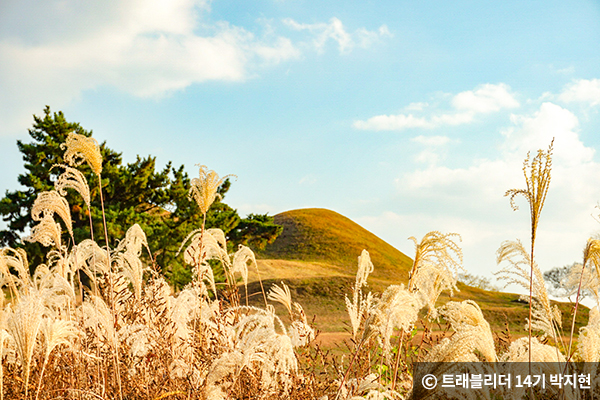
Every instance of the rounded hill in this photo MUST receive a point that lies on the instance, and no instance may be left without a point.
(320, 235)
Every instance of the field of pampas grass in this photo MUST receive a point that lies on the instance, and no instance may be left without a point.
(127, 335)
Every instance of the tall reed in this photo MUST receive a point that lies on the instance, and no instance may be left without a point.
(537, 179)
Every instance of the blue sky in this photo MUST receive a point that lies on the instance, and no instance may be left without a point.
(404, 116)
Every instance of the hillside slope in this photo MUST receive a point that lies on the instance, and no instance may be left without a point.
(316, 256)
(324, 236)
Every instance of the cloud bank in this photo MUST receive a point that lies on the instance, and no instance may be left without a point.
(484, 99)
(335, 31)
(52, 51)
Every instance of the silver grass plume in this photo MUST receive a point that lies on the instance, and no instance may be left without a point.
(438, 258)
(135, 240)
(360, 306)
(241, 260)
(247, 259)
(281, 295)
(397, 309)
(56, 333)
(120, 293)
(191, 305)
(72, 178)
(367, 388)
(300, 333)
(548, 360)
(60, 263)
(219, 236)
(128, 257)
(80, 148)
(42, 276)
(90, 258)
(518, 352)
(590, 281)
(24, 325)
(257, 346)
(229, 363)
(205, 245)
(299, 330)
(58, 295)
(98, 317)
(49, 203)
(588, 345)
(591, 255)
(537, 177)
(365, 268)
(437, 248)
(472, 333)
(138, 338)
(156, 302)
(221, 242)
(15, 259)
(103, 320)
(4, 339)
(47, 233)
(430, 281)
(203, 189)
(545, 318)
(358, 309)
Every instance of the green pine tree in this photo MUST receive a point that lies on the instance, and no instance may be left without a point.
(137, 192)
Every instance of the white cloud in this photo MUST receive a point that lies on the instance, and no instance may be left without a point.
(365, 38)
(35, 22)
(420, 106)
(471, 197)
(538, 130)
(484, 99)
(52, 51)
(335, 30)
(427, 156)
(458, 118)
(493, 177)
(283, 49)
(431, 140)
(393, 122)
(582, 90)
(431, 154)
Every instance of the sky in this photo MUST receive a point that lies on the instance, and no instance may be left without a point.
(406, 117)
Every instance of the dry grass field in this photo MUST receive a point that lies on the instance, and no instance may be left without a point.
(128, 335)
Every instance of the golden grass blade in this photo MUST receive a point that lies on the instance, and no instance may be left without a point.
(537, 177)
